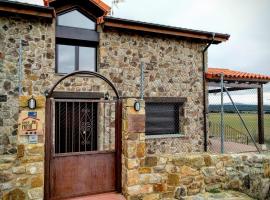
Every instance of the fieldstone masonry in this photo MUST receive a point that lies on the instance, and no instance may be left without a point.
(133, 140)
(22, 174)
(173, 68)
(178, 176)
(21, 164)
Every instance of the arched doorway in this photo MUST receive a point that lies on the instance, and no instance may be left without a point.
(83, 140)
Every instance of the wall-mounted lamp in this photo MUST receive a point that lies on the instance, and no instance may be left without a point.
(32, 103)
(137, 106)
(107, 96)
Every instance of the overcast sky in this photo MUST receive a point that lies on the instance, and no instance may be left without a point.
(247, 21)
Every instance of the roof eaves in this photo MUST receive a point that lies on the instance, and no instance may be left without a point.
(7, 6)
(231, 75)
(163, 29)
(99, 3)
(102, 6)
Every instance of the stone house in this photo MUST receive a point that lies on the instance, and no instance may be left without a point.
(71, 81)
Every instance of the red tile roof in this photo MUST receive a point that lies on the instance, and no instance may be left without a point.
(102, 5)
(214, 73)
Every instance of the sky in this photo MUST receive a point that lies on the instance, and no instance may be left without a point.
(247, 21)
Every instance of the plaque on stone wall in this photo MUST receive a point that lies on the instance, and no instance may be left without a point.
(3, 98)
(31, 123)
(32, 139)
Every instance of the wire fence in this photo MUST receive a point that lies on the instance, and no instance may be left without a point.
(236, 137)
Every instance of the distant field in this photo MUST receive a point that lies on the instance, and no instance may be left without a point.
(233, 120)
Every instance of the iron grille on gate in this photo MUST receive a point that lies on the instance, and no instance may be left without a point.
(75, 126)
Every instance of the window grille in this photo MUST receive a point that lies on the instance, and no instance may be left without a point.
(75, 126)
(163, 118)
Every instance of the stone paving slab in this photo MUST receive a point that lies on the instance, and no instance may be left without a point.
(228, 195)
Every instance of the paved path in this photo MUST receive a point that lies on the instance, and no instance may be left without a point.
(230, 147)
(227, 195)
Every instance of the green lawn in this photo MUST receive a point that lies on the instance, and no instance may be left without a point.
(234, 121)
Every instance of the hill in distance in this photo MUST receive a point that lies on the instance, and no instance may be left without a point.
(241, 107)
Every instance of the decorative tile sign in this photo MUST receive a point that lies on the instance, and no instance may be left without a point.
(3, 98)
(31, 123)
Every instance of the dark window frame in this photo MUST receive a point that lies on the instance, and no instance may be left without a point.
(77, 62)
(175, 101)
(81, 11)
(78, 37)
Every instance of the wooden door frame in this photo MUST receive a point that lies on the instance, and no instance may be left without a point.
(48, 133)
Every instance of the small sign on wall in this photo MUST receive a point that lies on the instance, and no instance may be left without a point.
(31, 123)
(32, 139)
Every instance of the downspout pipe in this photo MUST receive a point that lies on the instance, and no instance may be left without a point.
(204, 93)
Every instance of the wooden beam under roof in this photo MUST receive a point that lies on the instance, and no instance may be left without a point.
(8, 7)
(236, 84)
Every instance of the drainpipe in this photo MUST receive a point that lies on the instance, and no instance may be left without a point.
(204, 93)
(142, 81)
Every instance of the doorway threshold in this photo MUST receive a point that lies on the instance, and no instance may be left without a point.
(104, 196)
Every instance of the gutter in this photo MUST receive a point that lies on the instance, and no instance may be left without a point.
(145, 27)
(204, 93)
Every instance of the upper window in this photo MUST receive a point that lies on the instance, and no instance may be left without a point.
(73, 58)
(75, 19)
(162, 118)
(76, 42)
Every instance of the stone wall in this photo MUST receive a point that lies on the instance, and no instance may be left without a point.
(179, 176)
(37, 56)
(133, 149)
(173, 68)
(176, 176)
(21, 164)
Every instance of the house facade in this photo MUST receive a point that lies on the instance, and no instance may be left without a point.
(40, 45)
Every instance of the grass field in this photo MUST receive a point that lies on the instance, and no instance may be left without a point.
(233, 120)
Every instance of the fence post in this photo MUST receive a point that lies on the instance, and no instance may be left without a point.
(222, 113)
(260, 115)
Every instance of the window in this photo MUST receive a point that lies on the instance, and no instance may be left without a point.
(162, 118)
(76, 42)
(74, 58)
(75, 19)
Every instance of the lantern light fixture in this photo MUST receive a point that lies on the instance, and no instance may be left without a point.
(107, 96)
(32, 103)
(137, 106)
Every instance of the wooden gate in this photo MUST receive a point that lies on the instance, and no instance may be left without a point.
(76, 161)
